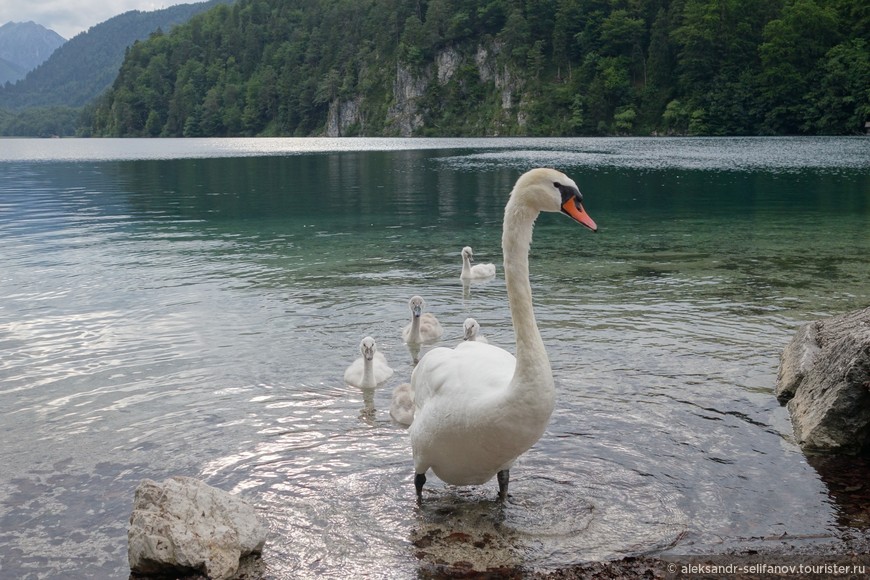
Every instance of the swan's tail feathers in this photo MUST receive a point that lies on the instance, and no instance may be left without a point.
(503, 477)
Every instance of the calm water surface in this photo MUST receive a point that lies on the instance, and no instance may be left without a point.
(189, 307)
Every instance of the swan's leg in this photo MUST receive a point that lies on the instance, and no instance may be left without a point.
(503, 479)
(419, 480)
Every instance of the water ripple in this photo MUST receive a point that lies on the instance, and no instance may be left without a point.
(151, 329)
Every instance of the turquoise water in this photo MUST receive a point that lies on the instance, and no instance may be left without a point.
(188, 307)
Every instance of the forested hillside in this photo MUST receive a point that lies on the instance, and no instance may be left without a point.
(506, 67)
(86, 65)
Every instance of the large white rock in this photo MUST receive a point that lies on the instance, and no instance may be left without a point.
(184, 525)
(824, 376)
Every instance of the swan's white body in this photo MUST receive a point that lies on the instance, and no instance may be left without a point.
(471, 332)
(424, 327)
(477, 406)
(402, 404)
(476, 272)
(370, 369)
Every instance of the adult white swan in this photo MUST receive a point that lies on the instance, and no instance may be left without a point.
(471, 331)
(476, 272)
(370, 369)
(424, 327)
(477, 407)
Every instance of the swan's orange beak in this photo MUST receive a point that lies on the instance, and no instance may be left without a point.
(575, 211)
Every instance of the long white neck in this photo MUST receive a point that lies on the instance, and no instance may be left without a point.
(466, 266)
(415, 329)
(533, 376)
(368, 378)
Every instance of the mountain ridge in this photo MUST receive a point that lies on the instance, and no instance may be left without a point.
(23, 47)
(87, 64)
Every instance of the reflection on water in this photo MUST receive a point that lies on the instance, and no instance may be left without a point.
(194, 316)
(846, 480)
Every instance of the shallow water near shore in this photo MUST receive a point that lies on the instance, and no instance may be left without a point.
(189, 307)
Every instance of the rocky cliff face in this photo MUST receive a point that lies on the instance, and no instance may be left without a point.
(345, 118)
(412, 90)
(490, 71)
(405, 117)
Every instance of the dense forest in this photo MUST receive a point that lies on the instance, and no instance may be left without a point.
(506, 67)
(49, 100)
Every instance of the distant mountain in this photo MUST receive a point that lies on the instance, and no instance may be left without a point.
(9, 71)
(23, 47)
(86, 65)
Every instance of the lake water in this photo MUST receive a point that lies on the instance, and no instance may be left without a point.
(188, 307)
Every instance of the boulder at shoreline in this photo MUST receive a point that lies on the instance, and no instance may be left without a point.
(824, 377)
(185, 526)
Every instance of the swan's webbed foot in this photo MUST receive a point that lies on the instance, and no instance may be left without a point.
(503, 477)
(419, 480)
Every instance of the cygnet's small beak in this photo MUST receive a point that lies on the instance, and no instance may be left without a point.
(574, 209)
(418, 311)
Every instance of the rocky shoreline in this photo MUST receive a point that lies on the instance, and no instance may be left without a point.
(850, 562)
(847, 564)
(787, 558)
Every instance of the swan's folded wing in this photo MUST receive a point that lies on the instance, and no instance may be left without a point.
(484, 270)
(353, 373)
(382, 371)
(470, 369)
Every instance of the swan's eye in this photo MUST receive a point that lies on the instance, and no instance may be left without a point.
(568, 192)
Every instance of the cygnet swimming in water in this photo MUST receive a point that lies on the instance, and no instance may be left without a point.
(471, 330)
(476, 272)
(424, 327)
(402, 405)
(370, 369)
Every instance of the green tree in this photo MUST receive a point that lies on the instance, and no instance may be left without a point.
(839, 102)
(793, 45)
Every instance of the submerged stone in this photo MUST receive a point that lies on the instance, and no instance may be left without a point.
(185, 526)
(824, 377)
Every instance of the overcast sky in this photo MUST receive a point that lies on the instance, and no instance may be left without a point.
(69, 17)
